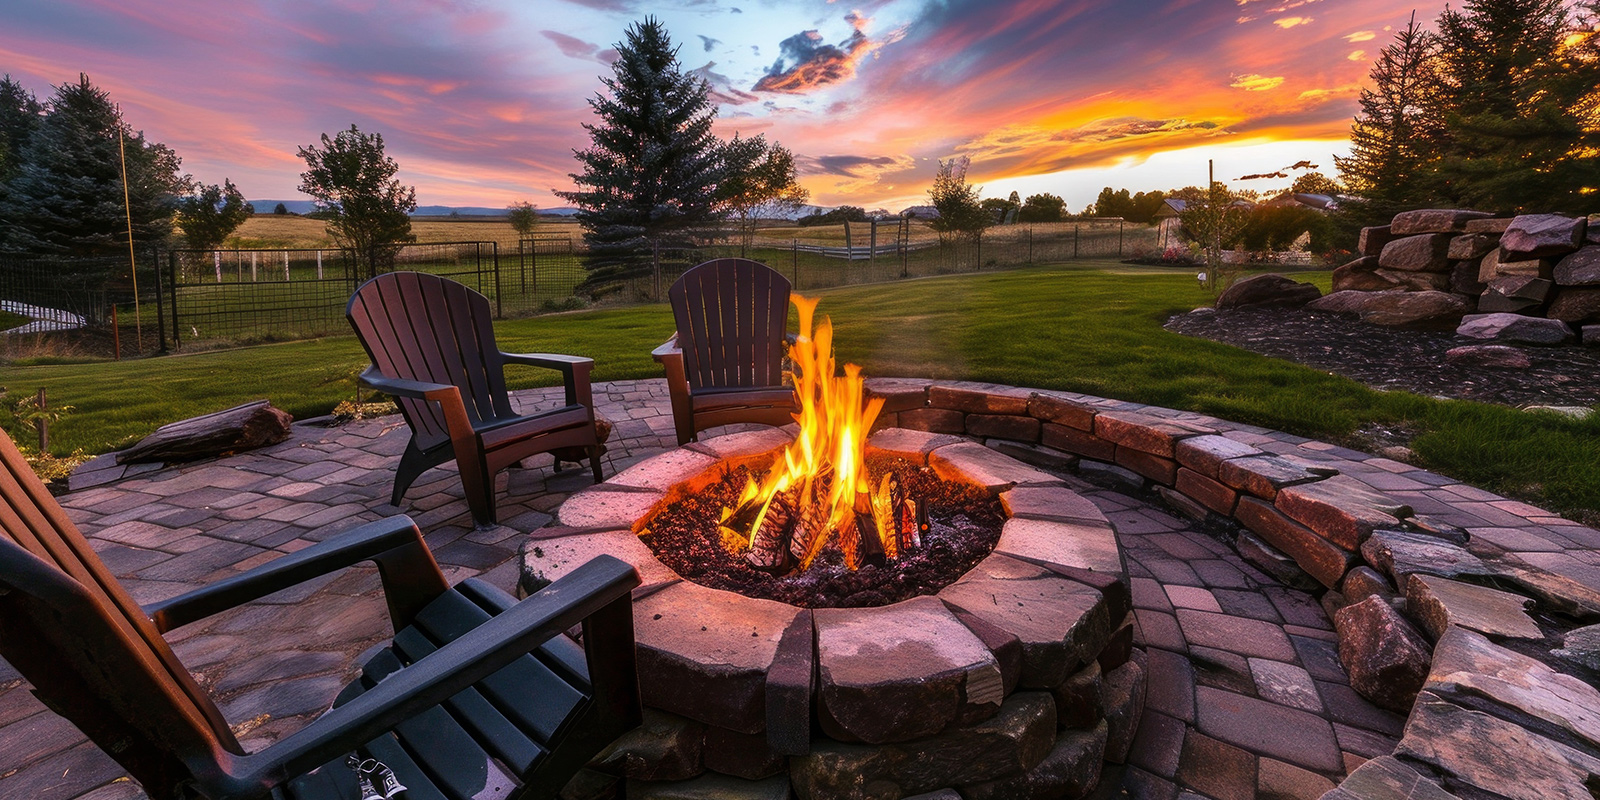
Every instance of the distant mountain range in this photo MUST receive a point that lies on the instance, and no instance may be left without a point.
(307, 206)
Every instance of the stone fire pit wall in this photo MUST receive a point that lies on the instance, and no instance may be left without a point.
(1483, 720)
(1019, 680)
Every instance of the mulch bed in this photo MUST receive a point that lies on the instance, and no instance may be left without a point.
(965, 522)
(1397, 359)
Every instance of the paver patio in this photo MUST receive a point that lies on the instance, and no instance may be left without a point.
(1245, 695)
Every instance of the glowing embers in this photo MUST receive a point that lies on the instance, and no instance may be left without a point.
(818, 491)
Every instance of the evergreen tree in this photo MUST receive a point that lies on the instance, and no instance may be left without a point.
(650, 176)
(1397, 133)
(19, 115)
(368, 210)
(1521, 103)
(66, 195)
(280, 210)
(208, 216)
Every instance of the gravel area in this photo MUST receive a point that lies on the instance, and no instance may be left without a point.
(1396, 359)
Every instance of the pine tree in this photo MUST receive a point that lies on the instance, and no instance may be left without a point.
(369, 210)
(19, 115)
(1521, 103)
(66, 197)
(650, 176)
(1397, 133)
(213, 212)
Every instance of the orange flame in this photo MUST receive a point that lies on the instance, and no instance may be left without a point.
(823, 469)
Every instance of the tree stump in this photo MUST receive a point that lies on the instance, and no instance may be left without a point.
(239, 428)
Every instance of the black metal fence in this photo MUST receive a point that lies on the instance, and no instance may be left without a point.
(186, 298)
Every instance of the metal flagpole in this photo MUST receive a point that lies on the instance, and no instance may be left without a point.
(133, 263)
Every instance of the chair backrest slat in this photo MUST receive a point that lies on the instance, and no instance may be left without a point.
(427, 328)
(82, 640)
(731, 315)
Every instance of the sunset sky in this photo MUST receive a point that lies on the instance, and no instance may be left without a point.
(481, 101)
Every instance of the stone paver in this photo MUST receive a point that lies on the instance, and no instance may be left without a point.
(1234, 658)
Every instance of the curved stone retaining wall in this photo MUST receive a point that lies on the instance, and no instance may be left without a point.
(1492, 581)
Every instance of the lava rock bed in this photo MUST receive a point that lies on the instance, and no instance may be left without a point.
(965, 523)
(1400, 359)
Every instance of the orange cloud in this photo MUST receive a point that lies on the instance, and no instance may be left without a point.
(1291, 22)
(1361, 36)
(1256, 83)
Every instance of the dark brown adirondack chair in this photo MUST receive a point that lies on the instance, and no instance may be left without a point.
(433, 349)
(478, 696)
(725, 363)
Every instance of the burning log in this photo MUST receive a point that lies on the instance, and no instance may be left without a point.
(771, 542)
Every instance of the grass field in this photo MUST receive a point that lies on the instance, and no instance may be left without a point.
(273, 230)
(1090, 327)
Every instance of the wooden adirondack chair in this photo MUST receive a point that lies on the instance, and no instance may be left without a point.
(725, 362)
(433, 349)
(478, 696)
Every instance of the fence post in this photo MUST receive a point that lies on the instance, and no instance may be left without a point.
(319, 265)
(172, 266)
(1030, 244)
(161, 312)
(494, 253)
(873, 242)
(533, 267)
(1119, 238)
(253, 255)
(1075, 240)
(794, 257)
(655, 266)
(43, 422)
(286, 266)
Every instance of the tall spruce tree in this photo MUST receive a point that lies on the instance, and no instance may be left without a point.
(1520, 96)
(19, 115)
(66, 195)
(650, 177)
(1397, 133)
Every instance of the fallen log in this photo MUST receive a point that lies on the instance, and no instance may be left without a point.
(239, 428)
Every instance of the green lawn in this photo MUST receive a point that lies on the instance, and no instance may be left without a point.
(1090, 327)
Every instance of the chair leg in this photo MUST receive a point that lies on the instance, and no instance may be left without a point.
(478, 484)
(412, 464)
(594, 462)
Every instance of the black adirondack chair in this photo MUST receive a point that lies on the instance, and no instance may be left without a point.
(478, 696)
(725, 362)
(433, 349)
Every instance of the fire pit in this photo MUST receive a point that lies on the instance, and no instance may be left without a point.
(951, 617)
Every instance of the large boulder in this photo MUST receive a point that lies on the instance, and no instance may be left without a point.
(1496, 356)
(1472, 245)
(1263, 291)
(1422, 309)
(1416, 281)
(1434, 220)
(1508, 265)
(1423, 253)
(1373, 239)
(1490, 226)
(1515, 328)
(1593, 234)
(1464, 279)
(1543, 235)
(1515, 294)
(1385, 656)
(1361, 275)
(1578, 269)
(1344, 301)
(1576, 305)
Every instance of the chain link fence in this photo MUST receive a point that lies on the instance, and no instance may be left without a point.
(189, 298)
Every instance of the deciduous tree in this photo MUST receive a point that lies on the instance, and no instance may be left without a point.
(651, 172)
(961, 214)
(1215, 221)
(757, 176)
(523, 216)
(369, 210)
(211, 214)
(1042, 208)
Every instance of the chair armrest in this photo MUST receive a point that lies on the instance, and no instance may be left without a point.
(411, 578)
(668, 349)
(401, 387)
(574, 369)
(590, 589)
